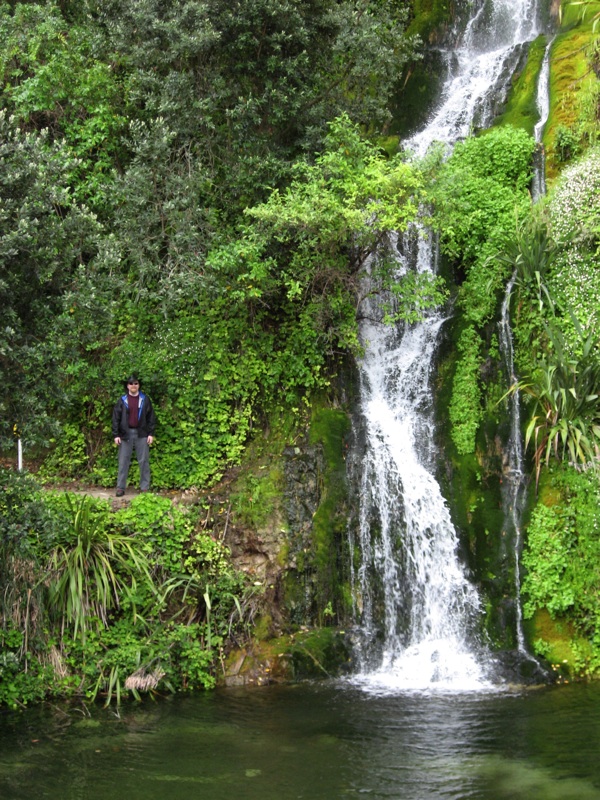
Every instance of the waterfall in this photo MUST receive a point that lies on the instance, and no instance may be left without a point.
(513, 487)
(484, 62)
(538, 188)
(428, 610)
(418, 611)
(514, 484)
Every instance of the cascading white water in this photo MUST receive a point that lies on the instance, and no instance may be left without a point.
(543, 106)
(408, 542)
(414, 596)
(543, 94)
(483, 63)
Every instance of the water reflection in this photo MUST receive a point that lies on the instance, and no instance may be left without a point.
(317, 742)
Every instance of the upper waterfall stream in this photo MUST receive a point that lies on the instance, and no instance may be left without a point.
(419, 612)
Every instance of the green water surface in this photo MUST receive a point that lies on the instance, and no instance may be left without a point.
(326, 740)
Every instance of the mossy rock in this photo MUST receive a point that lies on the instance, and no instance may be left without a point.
(570, 73)
(521, 107)
(412, 102)
(307, 654)
(319, 653)
(329, 429)
(430, 19)
(553, 639)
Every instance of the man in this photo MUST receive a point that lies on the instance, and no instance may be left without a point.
(133, 424)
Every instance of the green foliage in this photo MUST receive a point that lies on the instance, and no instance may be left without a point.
(26, 524)
(574, 87)
(414, 295)
(565, 419)
(319, 233)
(193, 570)
(127, 659)
(160, 528)
(193, 656)
(91, 567)
(211, 375)
(574, 222)
(242, 90)
(43, 235)
(256, 495)
(165, 222)
(554, 259)
(478, 194)
(561, 557)
(81, 611)
(589, 100)
(521, 108)
(531, 254)
(70, 458)
(481, 189)
(51, 77)
(28, 531)
(576, 198)
(275, 304)
(566, 143)
(167, 120)
(465, 404)
(555, 255)
(22, 680)
(548, 556)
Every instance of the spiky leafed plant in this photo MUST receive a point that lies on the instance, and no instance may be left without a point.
(92, 569)
(565, 420)
(531, 253)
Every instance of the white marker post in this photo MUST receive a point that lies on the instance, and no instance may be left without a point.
(19, 455)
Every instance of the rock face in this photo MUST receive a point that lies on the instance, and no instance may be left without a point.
(297, 557)
(303, 467)
(303, 472)
(279, 554)
(306, 654)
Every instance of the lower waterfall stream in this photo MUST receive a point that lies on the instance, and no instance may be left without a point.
(428, 606)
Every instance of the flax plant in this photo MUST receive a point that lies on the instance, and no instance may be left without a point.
(531, 253)
(92, 570)
(565, 421)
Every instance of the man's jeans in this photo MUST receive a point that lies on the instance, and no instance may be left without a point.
(140, 445)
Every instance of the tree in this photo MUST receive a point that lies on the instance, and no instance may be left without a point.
(54, 79)
(44, 235)
(307, 245)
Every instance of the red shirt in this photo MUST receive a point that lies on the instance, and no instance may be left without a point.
(133, 401)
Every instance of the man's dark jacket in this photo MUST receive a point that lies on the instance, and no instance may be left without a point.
(146, 417)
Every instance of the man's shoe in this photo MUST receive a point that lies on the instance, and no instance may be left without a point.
(120, 492)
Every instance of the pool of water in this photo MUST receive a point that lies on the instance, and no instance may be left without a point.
(325, 740)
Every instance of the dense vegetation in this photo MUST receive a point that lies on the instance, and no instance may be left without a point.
(191, 190)
(552, 249)
(140, 142)
(187, 192)
(96, 602)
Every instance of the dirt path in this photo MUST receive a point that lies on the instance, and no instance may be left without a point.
(99, 492)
